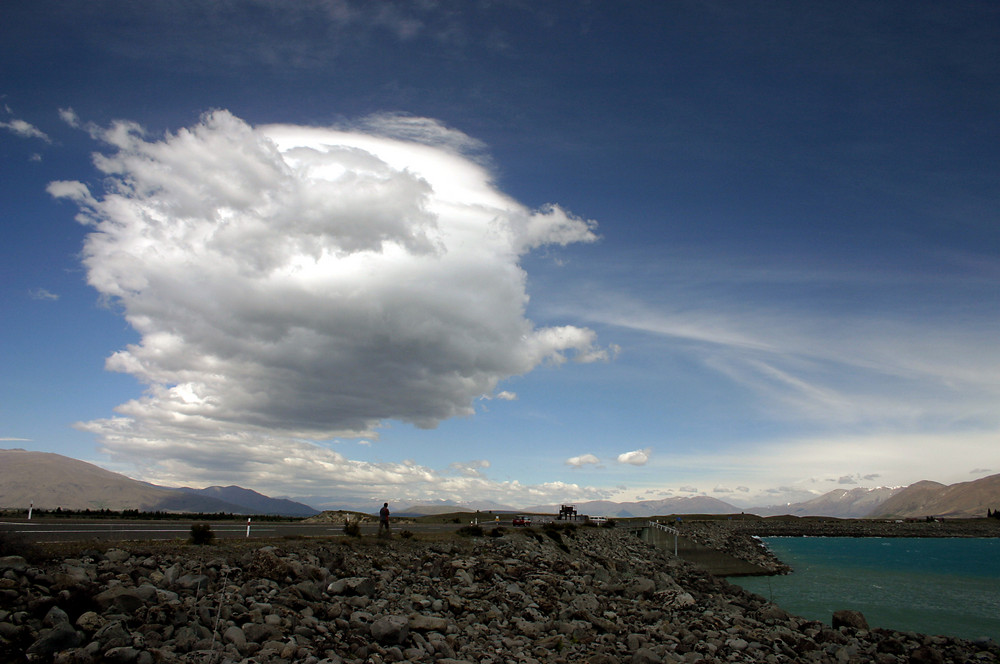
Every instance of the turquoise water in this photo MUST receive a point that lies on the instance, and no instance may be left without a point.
(948, 586)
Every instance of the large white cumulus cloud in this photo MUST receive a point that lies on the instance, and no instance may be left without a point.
(311, 282)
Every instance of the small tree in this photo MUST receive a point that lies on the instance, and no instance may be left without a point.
(352, 528)
(201, 533)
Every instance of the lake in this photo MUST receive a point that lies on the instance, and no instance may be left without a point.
(948, 586)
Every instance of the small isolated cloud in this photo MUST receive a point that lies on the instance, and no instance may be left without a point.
(743, 489)
(636, 457)
(980, 471)
(846, 479)
(871, 477)
(294, 283)
(42, 294)
(721, 489)
(25, 130)
(688, 489)
(69, 116)
(15, 440)
(506, 396)
(470, 468)
(582, 460)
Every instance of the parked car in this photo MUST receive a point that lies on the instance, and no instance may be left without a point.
(598, 520)
(521, 520)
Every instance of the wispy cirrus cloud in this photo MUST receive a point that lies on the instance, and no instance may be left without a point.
(24, 129)
(42, 294)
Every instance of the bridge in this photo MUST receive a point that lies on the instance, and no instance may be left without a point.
(717, 563)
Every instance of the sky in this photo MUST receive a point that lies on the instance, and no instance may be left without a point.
(510, 253)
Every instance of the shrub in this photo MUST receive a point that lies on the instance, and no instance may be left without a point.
(201, 533)
(352, 528)
(531, 532)
(470, 531)
(406, 534)
(498, 531)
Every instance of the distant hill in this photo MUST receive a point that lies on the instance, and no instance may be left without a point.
(926, 498)
(447, 507)
(258, 503)
(689, 505)
(840, 503)
(51, 481)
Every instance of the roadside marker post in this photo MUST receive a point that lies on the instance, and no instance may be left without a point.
(248, 527)
(31, 506)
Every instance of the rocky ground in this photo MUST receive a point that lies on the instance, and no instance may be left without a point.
(592, 595)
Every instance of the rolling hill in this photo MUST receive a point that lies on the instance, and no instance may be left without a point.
(687, 505)
(51, 481)
(926, 498)
(840, 503)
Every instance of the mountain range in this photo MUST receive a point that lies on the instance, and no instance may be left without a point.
(50, 481)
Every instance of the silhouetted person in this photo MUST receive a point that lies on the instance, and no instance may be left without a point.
(383, 518)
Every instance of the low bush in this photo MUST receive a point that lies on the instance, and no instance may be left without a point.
(531, 532)
(352, 528)
(470, 531)
(201, 534)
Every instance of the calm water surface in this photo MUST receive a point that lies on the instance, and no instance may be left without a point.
(930, 585)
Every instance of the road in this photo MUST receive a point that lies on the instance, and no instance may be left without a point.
(68, 530)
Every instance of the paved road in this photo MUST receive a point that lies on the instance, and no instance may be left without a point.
(66, 530)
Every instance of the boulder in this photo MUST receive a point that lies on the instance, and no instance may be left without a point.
(60, 637)
(125, 600)
(352, 586)
(849, 618)
(391, 630)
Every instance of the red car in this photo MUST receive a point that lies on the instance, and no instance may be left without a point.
(521, 520)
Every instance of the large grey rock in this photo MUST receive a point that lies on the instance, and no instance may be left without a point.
(113, 635)
(391, 630)
(849, 618)
(126, 600)
(116, 555)
(91, 621)
(15, 564)
(192, 582)
(60, 637)
(352, 586)
(236, 636)
(121, 655)
(260, 632)
(55, 616)
(422, 623)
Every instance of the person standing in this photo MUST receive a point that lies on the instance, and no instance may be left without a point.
(383, 518)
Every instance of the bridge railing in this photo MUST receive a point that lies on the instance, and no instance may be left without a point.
(667, 529)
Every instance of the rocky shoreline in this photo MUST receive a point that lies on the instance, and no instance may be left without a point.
(593, 595)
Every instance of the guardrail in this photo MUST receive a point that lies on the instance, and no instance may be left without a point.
(668, 529)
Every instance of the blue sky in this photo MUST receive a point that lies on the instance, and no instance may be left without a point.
(525, 253)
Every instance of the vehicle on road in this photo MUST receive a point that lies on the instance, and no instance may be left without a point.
(521, 520)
